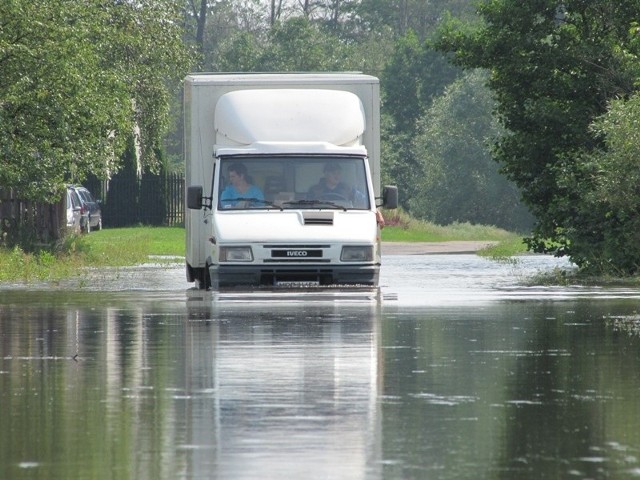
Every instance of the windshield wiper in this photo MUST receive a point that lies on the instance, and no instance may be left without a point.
(316, 202)
(252, 200)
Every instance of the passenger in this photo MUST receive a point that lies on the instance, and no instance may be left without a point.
(330, 186)
(240, 192)
(332, 189)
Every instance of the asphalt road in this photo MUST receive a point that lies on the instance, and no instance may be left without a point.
(427, 248)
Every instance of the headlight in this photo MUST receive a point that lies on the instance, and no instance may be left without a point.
(357, 254)
(236, 254)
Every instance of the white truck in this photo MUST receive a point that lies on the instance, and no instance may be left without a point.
(283, 179)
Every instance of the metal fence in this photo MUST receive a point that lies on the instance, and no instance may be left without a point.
(175, 200)
(148, 200)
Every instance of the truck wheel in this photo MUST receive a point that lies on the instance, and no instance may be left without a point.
(203, 281)
(191, 276)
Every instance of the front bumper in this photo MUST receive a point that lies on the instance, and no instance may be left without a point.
(256, 275)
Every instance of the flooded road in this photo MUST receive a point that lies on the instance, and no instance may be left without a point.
(452, 369)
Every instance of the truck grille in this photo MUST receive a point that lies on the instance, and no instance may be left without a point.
(296, 253)
(318, 221)
(318, 218)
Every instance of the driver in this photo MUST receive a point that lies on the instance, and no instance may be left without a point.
(330, 184)
(240, 191)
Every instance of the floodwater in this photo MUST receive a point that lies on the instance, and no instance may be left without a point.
(452, 369)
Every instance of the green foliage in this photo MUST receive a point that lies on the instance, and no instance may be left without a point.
(75, 78)
(12, 261)
(18, 265)
(299, 45)
(105, 248)
(402, 77)
(118, 246)
(50, 95)
(133, 245)
(412, 78)
(296, 44)
(554, 67)
(612, 203)
(401, 227)
(505, 250)
(618, 166)
(461, 182)
(398, 163)
(414, 75)
(410, 15)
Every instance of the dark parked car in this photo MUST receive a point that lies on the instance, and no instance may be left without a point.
(91, 211)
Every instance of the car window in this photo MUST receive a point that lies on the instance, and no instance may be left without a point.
(86, 195)
(75, 200)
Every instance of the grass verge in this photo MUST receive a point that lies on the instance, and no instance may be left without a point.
(505, 249)
(105, 248)
(114, 247)
(402, 228)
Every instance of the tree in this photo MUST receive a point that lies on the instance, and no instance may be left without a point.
(198, 10)
(296, 44)
(460, 180)
(420, 16)
(412, 78)
(554, 67)
(223, 21)
(613, 200)
(152, 58)
(55, 114)
(75, 79)
(402, 82)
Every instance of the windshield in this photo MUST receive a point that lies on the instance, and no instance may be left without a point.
(293, 182)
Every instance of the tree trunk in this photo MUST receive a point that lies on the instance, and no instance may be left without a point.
(201, 19)
(306, 8)
(276, 10)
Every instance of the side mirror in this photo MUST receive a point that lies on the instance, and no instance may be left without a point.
(194, 197)
(390, 197)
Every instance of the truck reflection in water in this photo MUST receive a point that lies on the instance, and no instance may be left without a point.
(293, 391)
(163, 386)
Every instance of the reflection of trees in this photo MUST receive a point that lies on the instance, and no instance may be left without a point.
(156, 394)
(440, 389)
(521, 389)
(574, 371)
(75, 389)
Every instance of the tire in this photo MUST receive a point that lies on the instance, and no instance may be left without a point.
(191, 277)
(203, 280)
